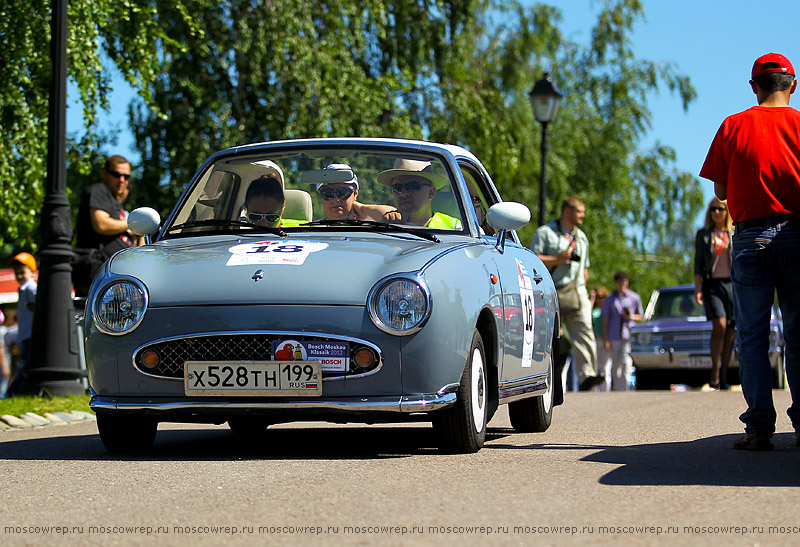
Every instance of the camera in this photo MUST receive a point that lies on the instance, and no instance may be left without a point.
(575, 257)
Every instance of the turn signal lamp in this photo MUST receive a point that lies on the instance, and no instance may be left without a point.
(150, 359)
(364, 358)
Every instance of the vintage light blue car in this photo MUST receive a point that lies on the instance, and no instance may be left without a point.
(367, 314)
(673, 344)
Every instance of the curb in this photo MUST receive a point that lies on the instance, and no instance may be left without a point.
(29, 420)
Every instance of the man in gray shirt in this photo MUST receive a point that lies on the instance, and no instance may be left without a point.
(564, 249)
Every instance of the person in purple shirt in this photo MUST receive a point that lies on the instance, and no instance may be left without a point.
(621, 308)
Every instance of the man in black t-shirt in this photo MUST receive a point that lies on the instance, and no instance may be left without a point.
(102, 228)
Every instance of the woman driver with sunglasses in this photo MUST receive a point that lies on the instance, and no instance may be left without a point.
(264, 202)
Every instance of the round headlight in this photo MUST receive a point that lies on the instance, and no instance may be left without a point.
(119, 307)
(644, 338)
(399, 306)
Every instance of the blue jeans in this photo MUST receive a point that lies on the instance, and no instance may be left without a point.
(766, 259)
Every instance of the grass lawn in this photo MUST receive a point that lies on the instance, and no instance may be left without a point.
(39, 405)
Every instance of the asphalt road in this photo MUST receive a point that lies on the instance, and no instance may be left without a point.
(631, 468)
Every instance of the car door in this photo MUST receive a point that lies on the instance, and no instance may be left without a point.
(523, 321)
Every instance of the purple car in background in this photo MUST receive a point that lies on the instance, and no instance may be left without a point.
(672, 345)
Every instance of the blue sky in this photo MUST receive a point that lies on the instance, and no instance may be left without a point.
(714, 42)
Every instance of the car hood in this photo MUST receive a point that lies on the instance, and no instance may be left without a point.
(320, 270)
(673, 323)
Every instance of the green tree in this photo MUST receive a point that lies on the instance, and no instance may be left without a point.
(126, 32)
(288, 69)
(449, 72)
(640, 208)
(458, 71)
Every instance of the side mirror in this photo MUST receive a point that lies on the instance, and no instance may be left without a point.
(144, 221)
(508, 215)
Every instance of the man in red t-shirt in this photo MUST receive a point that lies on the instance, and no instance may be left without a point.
(754, 162)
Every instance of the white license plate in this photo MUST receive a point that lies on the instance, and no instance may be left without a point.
(696, 361)
(247, 378)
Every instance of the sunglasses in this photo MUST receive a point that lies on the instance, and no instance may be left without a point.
(717, 209)
(118, 175)
(343, 192)
(412, 186)
(269, 217)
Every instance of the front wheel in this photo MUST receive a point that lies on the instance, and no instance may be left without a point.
(462, 427)
(125, 434)
(534, 414)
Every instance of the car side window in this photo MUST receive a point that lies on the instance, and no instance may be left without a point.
(212, 198)
(479, 199)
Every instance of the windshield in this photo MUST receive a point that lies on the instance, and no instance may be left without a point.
(302, 189)
(677, 304)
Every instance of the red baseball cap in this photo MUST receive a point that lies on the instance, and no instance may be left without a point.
(772, 63)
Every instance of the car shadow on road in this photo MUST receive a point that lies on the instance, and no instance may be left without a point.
(215, 444)
(706, 461)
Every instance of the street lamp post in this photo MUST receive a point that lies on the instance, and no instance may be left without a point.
(53, 363)
(545, 99)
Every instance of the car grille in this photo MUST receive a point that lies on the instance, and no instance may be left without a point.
(231, 347)
(698, 341)
(680, 341)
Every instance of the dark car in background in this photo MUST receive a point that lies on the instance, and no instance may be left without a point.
(672, 344)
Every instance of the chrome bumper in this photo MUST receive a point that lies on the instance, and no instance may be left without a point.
(652, 360)
(667, 360)
(425, 402)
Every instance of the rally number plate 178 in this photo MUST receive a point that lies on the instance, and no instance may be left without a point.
(249, 378)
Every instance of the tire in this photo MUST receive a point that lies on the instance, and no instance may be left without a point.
(654, 379)
(248, 426)
(126, 434)
(534, 414)
(558, 366)
(644, 380)
(462, 427)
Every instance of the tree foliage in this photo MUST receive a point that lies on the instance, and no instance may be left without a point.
(293, 68)
(126, 33)
(214, 74)
(639, 207)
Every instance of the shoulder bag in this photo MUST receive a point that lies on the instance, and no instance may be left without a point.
(569, 299)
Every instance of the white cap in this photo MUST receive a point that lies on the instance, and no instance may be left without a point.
(271, 170)
(341, 167)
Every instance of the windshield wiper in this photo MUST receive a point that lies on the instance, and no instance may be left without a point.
(227, 224)
(376, 226)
